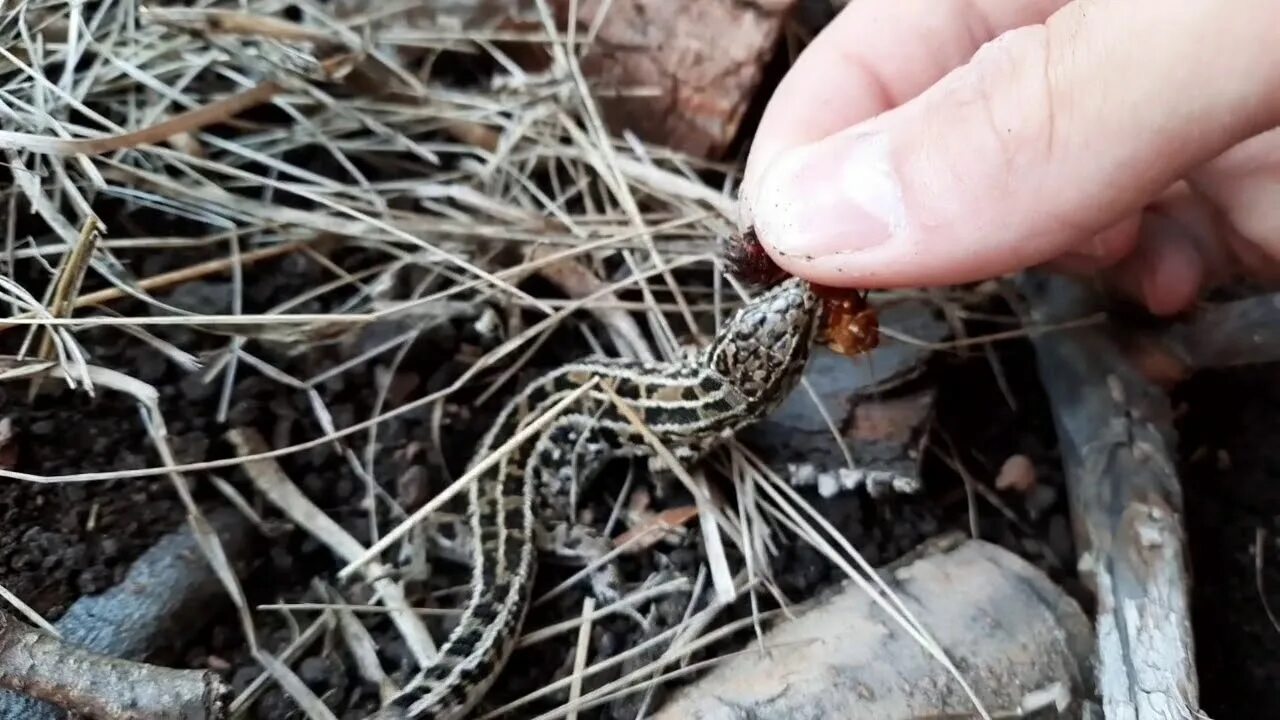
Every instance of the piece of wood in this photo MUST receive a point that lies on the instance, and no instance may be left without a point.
(101, 687)
(169, 593)
(1017, 637)
(679, 74)
(1214, 335)
(1241, 332)
(1115, 434)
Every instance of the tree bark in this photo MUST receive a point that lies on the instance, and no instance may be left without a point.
(679, 74)
(168, 593)
(1115, 433)
(1019, 640)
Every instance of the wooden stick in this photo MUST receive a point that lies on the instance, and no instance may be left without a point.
(95, 669)
(1022, 640)
(102, 687)
(190, 121)
(1116, 437)
(173, 277)
(1241, 332)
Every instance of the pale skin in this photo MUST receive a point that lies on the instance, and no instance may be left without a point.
(930, 142)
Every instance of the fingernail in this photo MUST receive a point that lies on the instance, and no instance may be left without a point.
(838, 195)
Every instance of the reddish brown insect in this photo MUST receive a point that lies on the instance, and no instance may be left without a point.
(850, 325)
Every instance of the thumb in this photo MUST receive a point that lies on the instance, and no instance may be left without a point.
(1050, 134)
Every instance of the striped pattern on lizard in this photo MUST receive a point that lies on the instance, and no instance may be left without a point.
(752, 364)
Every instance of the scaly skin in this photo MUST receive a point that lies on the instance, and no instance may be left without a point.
(754, 362)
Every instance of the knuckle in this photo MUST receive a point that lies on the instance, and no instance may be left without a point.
(1006, 110)
(1013, 78)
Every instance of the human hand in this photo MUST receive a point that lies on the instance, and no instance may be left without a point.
(1134, 139)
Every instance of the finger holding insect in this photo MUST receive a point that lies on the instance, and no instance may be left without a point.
(850, 325)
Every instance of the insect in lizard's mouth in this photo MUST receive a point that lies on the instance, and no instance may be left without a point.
(849, 324)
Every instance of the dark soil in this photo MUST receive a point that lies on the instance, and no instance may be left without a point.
(60, 541)
(1231, 470)
(67, 539)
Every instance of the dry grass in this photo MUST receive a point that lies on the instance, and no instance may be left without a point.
(264, 139)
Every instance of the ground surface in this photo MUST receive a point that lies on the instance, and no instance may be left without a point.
(1231, 467)
(63, 540)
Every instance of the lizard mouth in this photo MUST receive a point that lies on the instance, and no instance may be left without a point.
(849, 324)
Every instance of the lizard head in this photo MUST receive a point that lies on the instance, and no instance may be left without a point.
(762, 350)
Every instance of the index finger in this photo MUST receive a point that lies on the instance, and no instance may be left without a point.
(874, 56)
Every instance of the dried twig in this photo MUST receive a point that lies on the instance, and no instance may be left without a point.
(1010, 625)
(270, 480)
(186, 122)
(101, 687)
(1229, 334)
(167, 595)
(172, 277)
(1115, 432)
(580, 656)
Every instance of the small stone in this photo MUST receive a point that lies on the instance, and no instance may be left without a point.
(344, 415)
(402, 386)
(244, 412)
(42, 427)
(344, 488)
(411, 487)
(684, 558)
(150, 367)
(276, 704)
(223, 638)
(1224, 460)
(396, 652)
(74, 556)
(109, 548)
(1017, 473)
(315, 484)
(217, 664)
(281, 559)
(828, 485)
